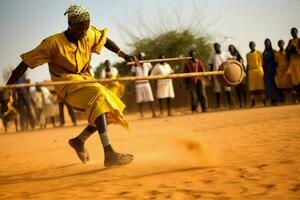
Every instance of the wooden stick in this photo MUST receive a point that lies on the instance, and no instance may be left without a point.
(129, 78)
(159, 60)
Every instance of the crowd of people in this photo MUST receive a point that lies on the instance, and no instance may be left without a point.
(271, 76)
(30, 108)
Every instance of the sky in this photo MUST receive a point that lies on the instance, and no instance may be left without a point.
(24, 24)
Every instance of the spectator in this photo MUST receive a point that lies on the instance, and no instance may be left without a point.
(283, 79)
(293, 51)
(165, 90)
(215, 61)
(241, 90)
(143, 87)
(23, 105)
(111, 72)
(269, 67)
(196, 85)
(255, 74)
(49, 109)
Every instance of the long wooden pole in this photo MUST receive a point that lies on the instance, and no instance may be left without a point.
(129, 78)
(160, 60)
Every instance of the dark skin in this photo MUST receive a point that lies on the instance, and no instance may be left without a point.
(294, 33)
(268, 44)
(281, 45)
(252, 46)
(193, 55)
(290, 47)
(107, 66)
(162, 57)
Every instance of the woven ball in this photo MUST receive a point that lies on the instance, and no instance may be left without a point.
(233, 73)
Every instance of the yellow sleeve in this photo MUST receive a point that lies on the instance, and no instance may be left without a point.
(98, 39)
(38, 56)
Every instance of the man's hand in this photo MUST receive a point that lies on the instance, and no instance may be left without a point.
(129, 58)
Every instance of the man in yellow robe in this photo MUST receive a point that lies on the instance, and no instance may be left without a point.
(68, 55)
(293, 51)
(255, 73)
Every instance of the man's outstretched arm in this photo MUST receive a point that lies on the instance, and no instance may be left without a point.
(17, 73)
(110, 45)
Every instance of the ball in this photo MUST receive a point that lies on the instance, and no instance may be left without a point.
(233, 73)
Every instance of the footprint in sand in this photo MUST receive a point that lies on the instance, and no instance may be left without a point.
(296, 187)
(286, 162)
(195, 153)
(262, 166)
(124, 193)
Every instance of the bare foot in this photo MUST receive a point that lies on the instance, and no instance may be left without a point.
(81, 152)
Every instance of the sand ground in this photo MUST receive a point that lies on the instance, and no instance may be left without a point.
(240, 154)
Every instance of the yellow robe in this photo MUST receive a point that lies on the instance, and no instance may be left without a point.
(69, 62)
(255, 71)
(294, 65)
(116, 87)
(283, 80)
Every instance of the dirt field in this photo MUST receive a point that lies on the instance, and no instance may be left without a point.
(241, 154)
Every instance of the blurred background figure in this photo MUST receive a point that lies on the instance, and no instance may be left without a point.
(24, 106)
(283, 79)
(241, 90)
(196, 85)
(164, 89)
(71, 113)
(142, 87)
(11, 114)
(255, 74)
(215, 60)
(47, 107)
(269, 66)
(111, 72)
(293, 52)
